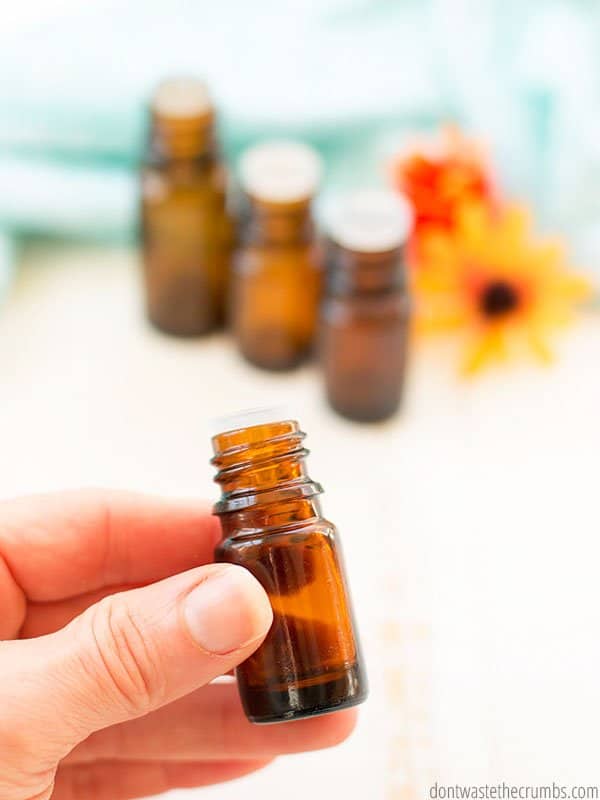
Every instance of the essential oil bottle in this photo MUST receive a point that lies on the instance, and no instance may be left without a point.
(310, 661)
(186, 232)
(365, 314)
(276, 282)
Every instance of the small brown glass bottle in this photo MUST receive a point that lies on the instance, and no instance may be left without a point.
(276, 281)
(365, 315)
(310, 661)
(186, 232)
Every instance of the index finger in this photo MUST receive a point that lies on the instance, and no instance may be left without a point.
(61, 545)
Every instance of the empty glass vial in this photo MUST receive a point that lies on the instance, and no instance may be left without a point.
(276, 280)
(310, 661)
(365, 314)
(186, 232)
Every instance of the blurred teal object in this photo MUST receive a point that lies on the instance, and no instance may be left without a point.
(353, 77)
(7, 262)
(66, 199)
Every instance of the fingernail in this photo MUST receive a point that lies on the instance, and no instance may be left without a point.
(227, 611)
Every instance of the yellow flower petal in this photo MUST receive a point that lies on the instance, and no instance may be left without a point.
(489, 346)
(539, 346)
(485, 247)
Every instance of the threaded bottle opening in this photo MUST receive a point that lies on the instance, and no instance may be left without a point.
(246, 443)
(261, 463)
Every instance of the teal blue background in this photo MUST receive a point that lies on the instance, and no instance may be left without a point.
(354, 77)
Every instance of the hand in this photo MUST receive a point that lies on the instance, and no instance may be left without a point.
(114, 617)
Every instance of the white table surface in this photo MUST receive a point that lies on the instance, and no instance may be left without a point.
(470, 522)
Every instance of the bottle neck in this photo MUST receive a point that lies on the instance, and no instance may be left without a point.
(174, 139)
(278, 224)
(263, 478)
(352, 272)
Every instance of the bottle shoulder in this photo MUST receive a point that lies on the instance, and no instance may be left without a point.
(294, 260)
(381, 306)
(293, 534)
(173, 177)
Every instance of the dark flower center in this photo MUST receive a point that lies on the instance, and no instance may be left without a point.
(498, 298)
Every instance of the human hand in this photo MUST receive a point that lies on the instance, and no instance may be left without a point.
(112, 617)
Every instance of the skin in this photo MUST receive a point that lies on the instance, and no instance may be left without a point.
(113, 620)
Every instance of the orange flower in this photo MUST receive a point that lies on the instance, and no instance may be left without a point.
(440, 176)
(490, 279)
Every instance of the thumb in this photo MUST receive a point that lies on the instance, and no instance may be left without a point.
(126, 656)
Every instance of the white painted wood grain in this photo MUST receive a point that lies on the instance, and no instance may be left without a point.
(470, 523)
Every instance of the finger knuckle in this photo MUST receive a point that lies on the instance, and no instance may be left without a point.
(127, 661)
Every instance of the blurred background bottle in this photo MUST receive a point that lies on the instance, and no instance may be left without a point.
(366, 311)
(187, 235)
(276, 281)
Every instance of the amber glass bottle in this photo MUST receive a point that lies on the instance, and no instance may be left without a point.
(186, 232)
(276, 276)
(310, 662)
(365, 315)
